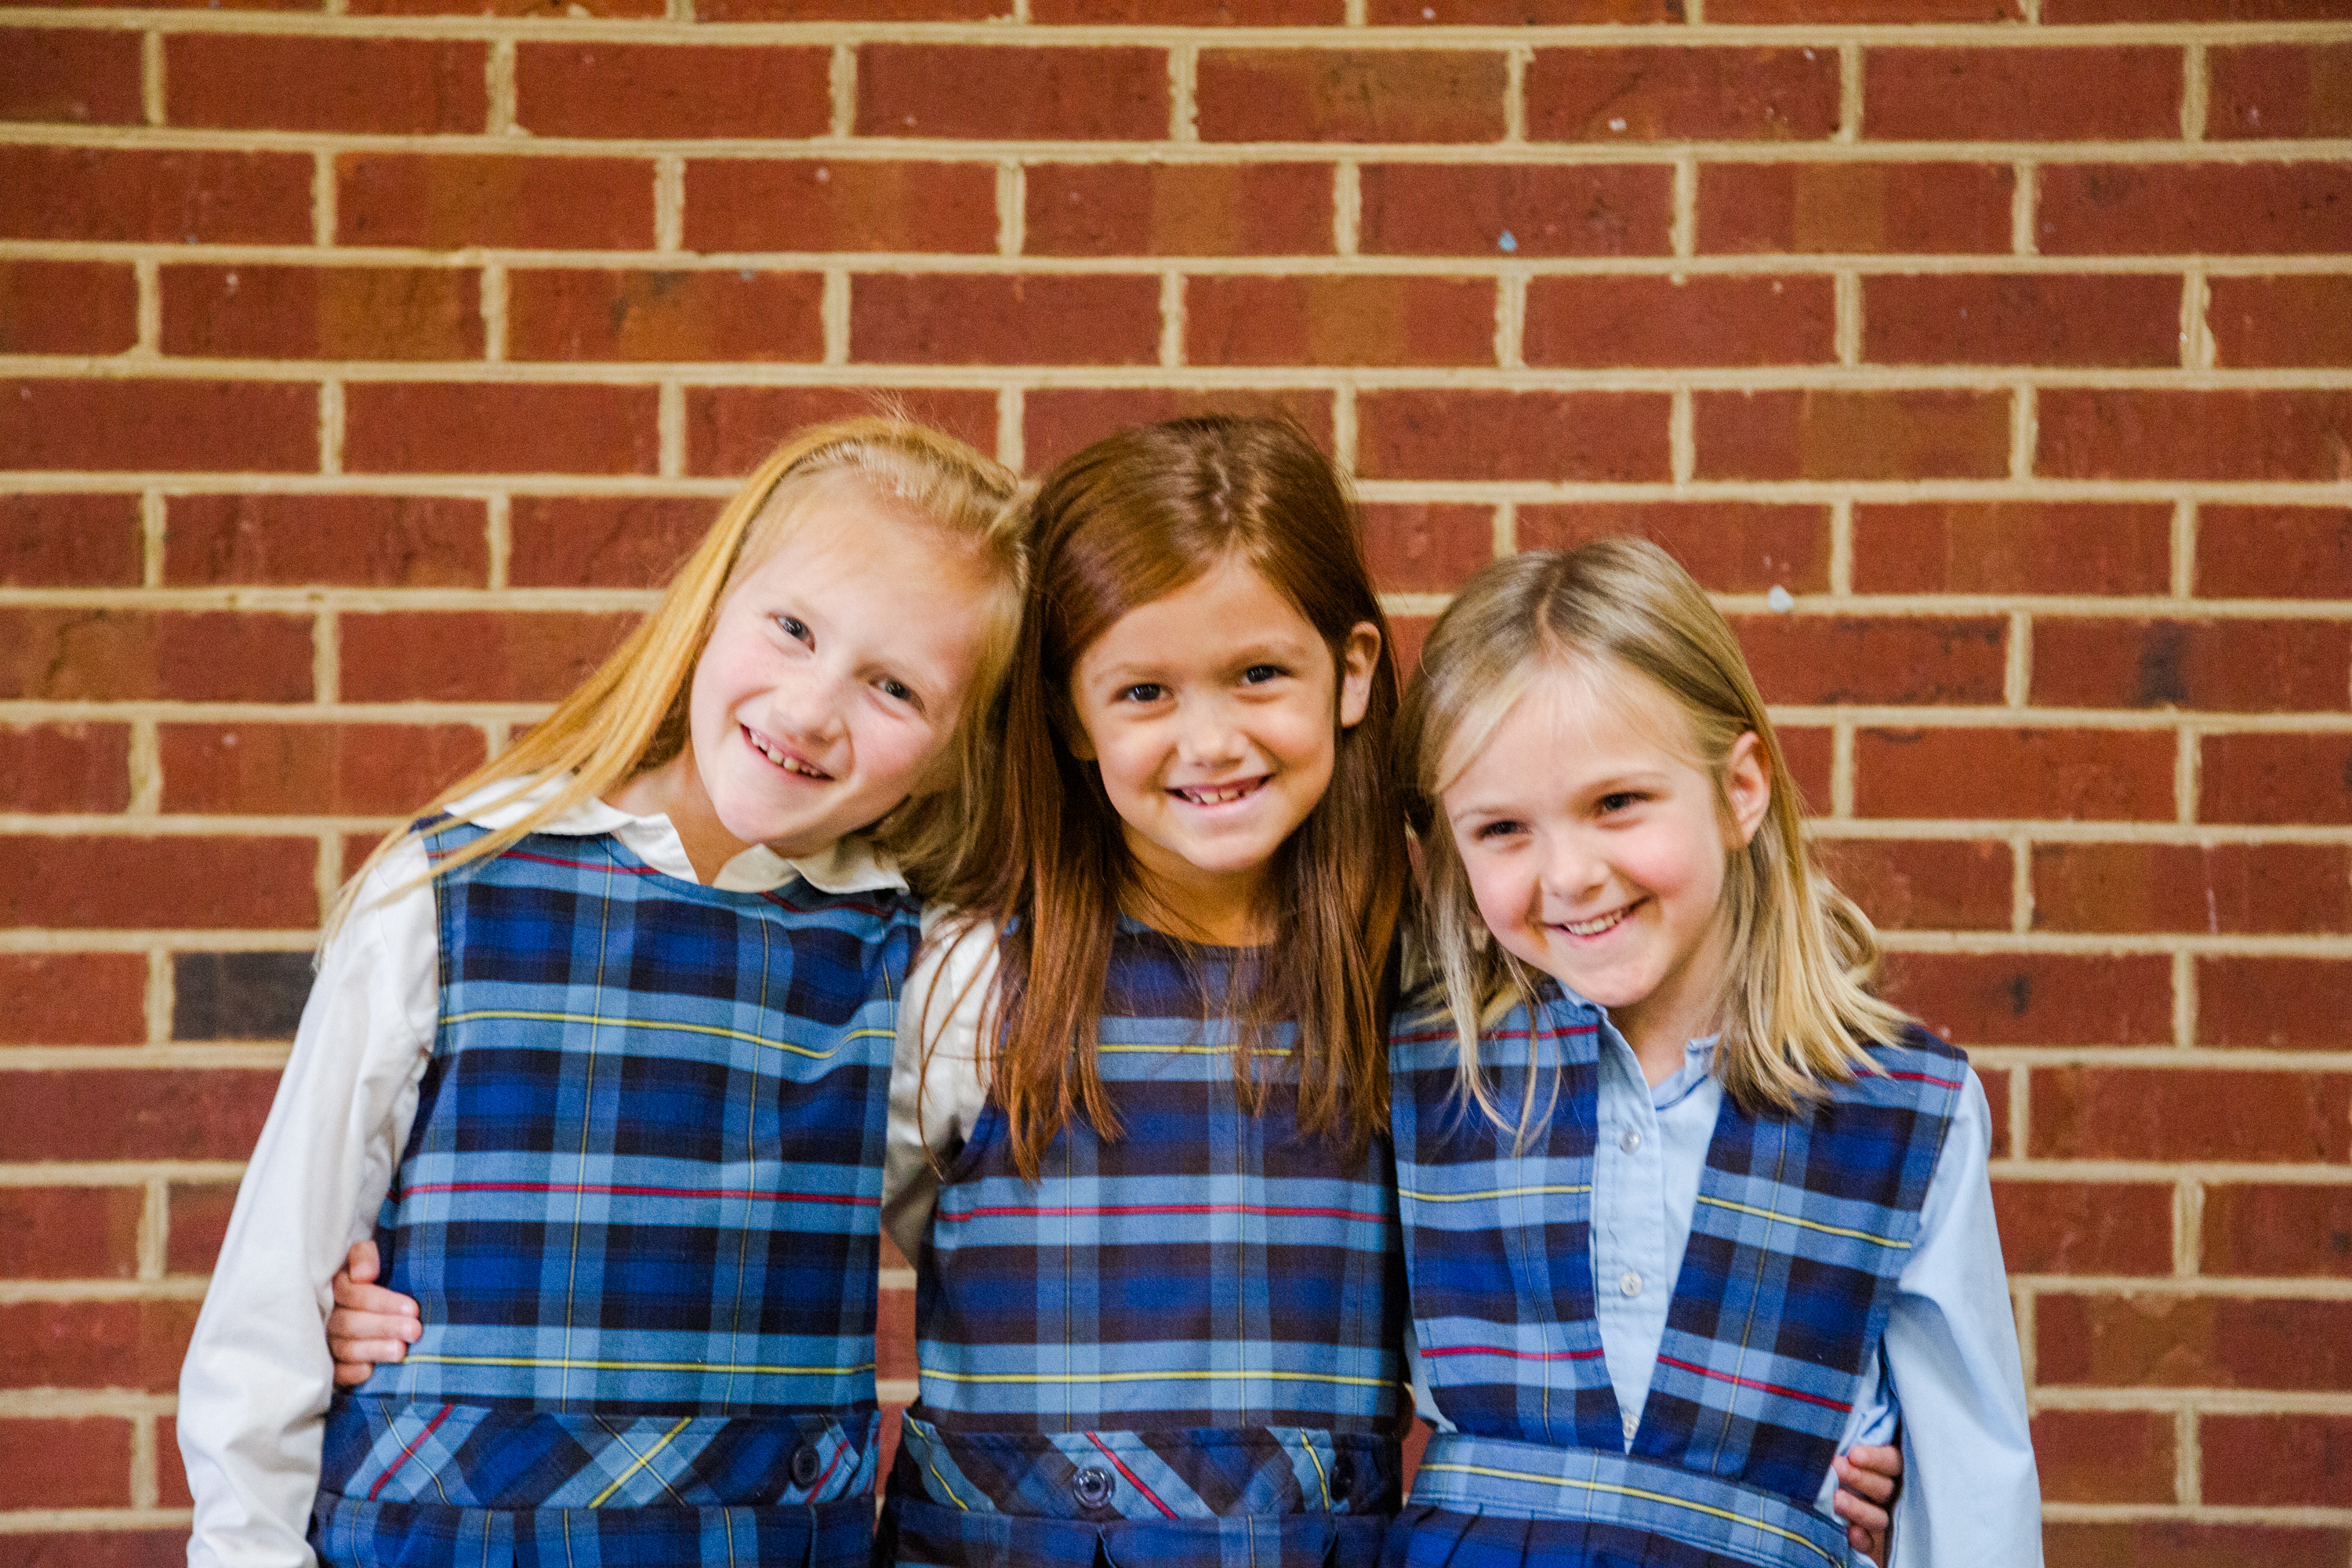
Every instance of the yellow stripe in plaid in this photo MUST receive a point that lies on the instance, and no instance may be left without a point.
(598, 1500)
(1631, 1492)
(601, 1021)
(1808, 1224)
(1491, 1192)
(569, 1362)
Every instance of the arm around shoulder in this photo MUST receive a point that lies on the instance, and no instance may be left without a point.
(255, 1386)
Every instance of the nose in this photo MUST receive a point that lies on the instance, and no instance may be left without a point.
(1207, 735)
(1572, 866)
(809, 705)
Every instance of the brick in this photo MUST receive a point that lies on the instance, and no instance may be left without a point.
(564, 9)
(2196, 1113)
(577, 313)
(2104, 1455)
(2194, 1342)
(1016, 94)
(2267, 91)
(1492, 209)
(168, 883)
(473, 656)
(2119, 94)
(820, 205)
(1810, 754)
(2074, 11)
(2117, 319)
(1349, 95)
(1410, 633)
(2084, 1227)
(2279, 1004)
(1925, 884)
(306, 770)
(1518, 12)
(322, 312)
(980, 319)
(1823, 659)
(602, 541)
(71, 1232)
(346, 541)
(1177, 210)
(1058, 422)
(1190, 13)
(2012, 547)
(894, 1335)
(2168, 1545)
(1852, 434)
(1682, 94)
(852, 10)
(1692, 321)
(171, 1472)
(673, 91)
(730, 429)
(2231, 666)
(2159, 209)
(2296, 320)
(384, 86)
(474, 428)
(1351, 320)
(450, 201)
(1867, 208)
(1720, 11)
(1731, 547)
(238, 996)
(94, 654)
(69, 541)
(267, 427)
(1426, 546)
(199, 1213)
(66, 308)
(1997, 1099)
(96, 1549)
(71, 76)
(1483, 435)
(95, 1344)
(2037, 774)
(2266, 889)
(126, 194)
(73, 766)
(2289, 778)
(73, 998)
(2269, 1231)
(2104, 432)
(2278, 1461)
(2037, 999)
(51, 1462)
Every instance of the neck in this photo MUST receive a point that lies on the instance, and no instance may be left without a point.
(675, 790)
(1220, 908)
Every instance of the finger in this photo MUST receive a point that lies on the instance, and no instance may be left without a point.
(367, 1352)
(1858, 1513)
(363, 1263)
(350, 1374)
(1871, 1544)
(343, 1328)
(1876, 1485)
(353, 1296)
(1885, 1458)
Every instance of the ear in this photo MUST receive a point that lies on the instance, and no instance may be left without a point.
(1358, 656)
(1747, 790)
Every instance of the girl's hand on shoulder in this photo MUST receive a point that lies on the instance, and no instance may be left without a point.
(1868, 1478)
(370, 1324)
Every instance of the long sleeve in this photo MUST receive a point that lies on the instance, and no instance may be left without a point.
(1970, 1494)
(253, 1389)
(937, 1090)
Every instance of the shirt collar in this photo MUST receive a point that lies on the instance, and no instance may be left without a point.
(847, 865)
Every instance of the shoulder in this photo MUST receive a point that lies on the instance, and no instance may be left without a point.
(1917, 1072)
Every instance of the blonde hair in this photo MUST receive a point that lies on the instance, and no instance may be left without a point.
(631, 714)
(1796, 1002)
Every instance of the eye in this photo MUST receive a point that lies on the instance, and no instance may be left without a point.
(1505, 828)
(792, 626)
(1259, 674)
(1620, 800)
(1142, 691)
(898, 691)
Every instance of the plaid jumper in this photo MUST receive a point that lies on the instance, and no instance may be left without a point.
(638, 1206)
(1801, 1227)
(1181, 1345)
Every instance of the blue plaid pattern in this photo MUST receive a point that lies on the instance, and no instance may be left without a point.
(1801, 1227)
(639, 1207)
(1182, 1344)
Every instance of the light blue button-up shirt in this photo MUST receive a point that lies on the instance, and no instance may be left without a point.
(1970, 1497)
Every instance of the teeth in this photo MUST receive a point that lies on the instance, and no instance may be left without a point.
(1593, 927)
(789, 763)
(1215, 797)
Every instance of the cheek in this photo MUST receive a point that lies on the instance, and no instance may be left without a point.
(1500, 894)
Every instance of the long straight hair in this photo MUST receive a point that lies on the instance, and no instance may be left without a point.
(1130, 519)
(1796, 1000)
(630, 715)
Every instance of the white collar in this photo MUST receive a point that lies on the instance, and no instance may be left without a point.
(848, 865)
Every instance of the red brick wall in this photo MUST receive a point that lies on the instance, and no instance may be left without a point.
(360, 367)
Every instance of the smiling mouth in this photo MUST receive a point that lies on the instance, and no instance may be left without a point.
(781, 758)
(1597, 923)
(1220, 794)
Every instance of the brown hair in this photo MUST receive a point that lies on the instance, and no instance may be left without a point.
(1130, 519)
(631, 714)
(1796, 999)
